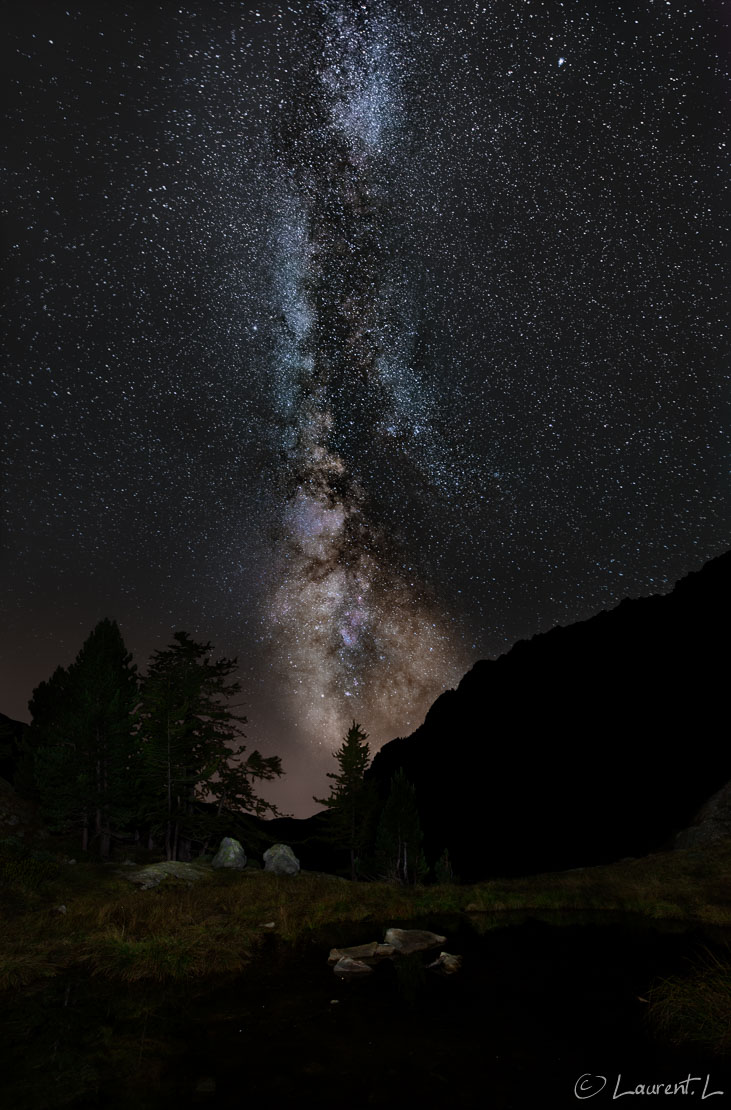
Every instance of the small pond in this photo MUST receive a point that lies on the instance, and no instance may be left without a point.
(536, 1006)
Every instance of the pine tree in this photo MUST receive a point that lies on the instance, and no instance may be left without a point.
(351, 798)
(399, 838)
(55, 758)
(107, 689)
(80, 742)
(187, 729)
(443, 870)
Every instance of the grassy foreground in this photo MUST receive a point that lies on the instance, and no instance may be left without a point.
(182, 932)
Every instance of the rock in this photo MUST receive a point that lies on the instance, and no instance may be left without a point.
(230, 854)
(206, 1086)
(407, 941)
(711, 825)
(281, 860)
(152, 874)
(348, 968)
(368, 953)
(351, 963)
(446, 964)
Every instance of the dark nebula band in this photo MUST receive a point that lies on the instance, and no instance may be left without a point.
(355, 633)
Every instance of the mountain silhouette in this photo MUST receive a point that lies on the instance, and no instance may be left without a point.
(583, 745)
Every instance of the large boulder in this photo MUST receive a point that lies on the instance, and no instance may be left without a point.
(230, 854)
(711, 825)
(281, 860)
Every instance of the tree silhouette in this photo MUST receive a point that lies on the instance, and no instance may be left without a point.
(351, 798)
(191, 746)
(399, 837)
(80, 742)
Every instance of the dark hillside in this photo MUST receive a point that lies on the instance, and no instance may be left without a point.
(582, 745)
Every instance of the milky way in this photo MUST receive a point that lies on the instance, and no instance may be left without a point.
(360, 339)
(355, 635)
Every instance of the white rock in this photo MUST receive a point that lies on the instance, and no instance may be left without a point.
(230, 854)
(281, 860)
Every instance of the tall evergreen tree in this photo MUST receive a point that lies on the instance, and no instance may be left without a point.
(54, 763)
(399, 838)
(443, 870)
(81, 739)
(107, 688)
(351, 798)
(191, 746)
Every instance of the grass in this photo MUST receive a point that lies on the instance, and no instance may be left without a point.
(101, 984)
(178, 932)
(695, 1009)
(684, 886)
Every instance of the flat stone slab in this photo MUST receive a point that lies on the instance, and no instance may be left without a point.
(152, 874)
(348, 968)
(358, 960)
(372, 952)
(407, 941)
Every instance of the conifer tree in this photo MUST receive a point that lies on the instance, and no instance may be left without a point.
(443, 870)
(190, 743)
(399, 838)
(54, 757)
(81, 739)
(351, 798)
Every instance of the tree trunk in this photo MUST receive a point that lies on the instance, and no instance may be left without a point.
(170, 792)
(102, 830)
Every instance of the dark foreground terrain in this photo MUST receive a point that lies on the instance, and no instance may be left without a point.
(535, 1007)
(213, 989)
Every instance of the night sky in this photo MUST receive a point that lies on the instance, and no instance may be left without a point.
(359, 339)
